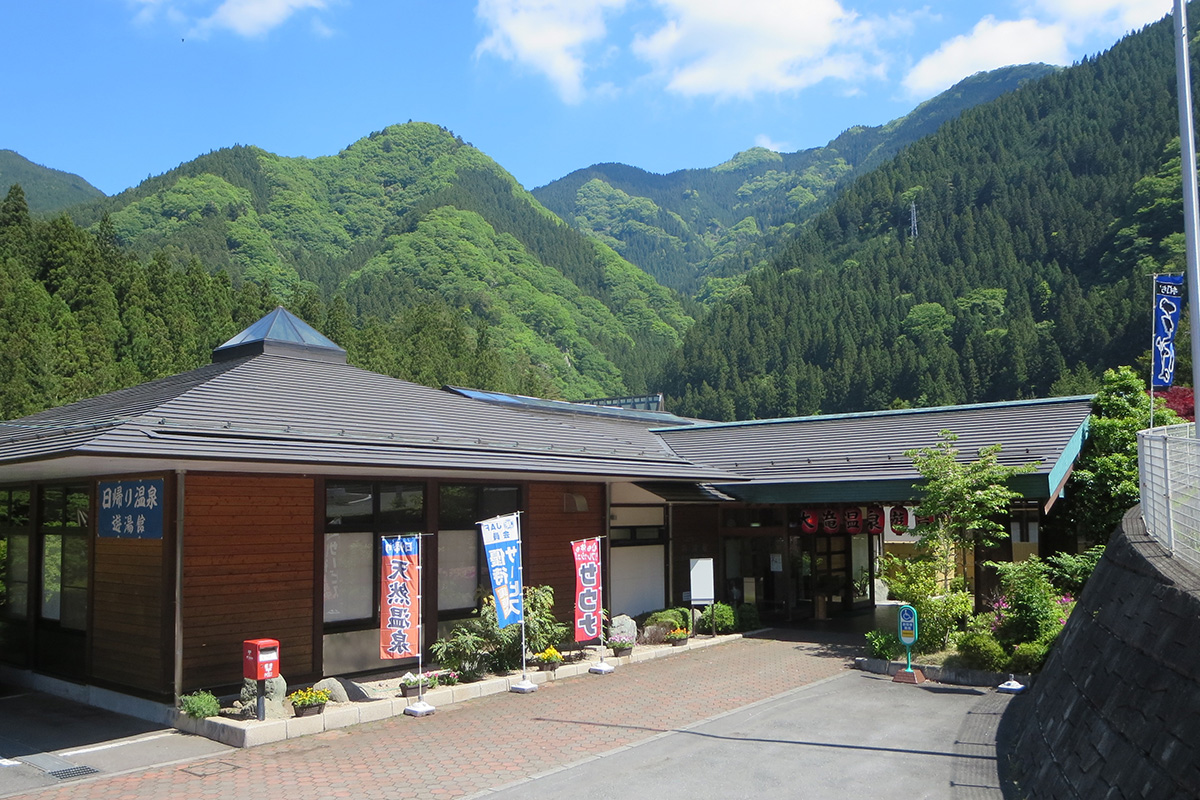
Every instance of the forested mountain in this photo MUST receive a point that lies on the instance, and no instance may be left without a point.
(1040, 218)
(46, 190)
(695, 224)
(407, 223)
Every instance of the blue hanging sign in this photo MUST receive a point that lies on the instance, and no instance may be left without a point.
(130, 509)
(502, 550)
(1168, 300)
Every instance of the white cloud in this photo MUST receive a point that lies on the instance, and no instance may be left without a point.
(989, 45)
(550, 36)
(763, 140)
(254, 17)
(1110, 17)
(714, 47)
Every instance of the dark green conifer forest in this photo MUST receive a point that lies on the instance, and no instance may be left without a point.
(1041, 216)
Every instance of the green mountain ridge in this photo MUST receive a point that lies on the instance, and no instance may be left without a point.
(414, 215)
(1041, 216)
(693, 225)
(46, 190)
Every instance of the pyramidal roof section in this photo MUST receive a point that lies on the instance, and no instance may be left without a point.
(281, 333)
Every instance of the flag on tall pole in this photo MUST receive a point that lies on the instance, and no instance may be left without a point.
(502, 550)
(587, 589)
(400, 593)
(1168, 301)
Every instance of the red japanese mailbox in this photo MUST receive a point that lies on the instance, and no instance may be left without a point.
(260, 659)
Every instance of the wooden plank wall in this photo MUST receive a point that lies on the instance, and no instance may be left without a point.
(248, 560)
(547, 533)
(128, 615)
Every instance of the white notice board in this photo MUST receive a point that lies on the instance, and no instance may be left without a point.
(703, 593)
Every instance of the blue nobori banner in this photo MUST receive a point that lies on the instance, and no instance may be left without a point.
(1168, 301)
(502, 549)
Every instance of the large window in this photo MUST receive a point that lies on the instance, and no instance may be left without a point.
(461, 506)
(63, 521)
(14, 574)
(357, 514)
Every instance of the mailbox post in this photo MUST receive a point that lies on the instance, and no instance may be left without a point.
(260, 662)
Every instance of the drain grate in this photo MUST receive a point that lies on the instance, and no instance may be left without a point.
(73, 772)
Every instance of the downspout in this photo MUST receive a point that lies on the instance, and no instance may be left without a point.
(179, 516)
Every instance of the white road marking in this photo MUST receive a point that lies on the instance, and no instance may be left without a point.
(120, 743)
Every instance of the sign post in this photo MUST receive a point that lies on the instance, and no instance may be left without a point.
(908, 628)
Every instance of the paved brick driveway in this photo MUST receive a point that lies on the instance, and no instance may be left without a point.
(491, 741)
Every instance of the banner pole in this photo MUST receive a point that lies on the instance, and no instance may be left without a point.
(525, 686)
(1153, 342)
(420, 708)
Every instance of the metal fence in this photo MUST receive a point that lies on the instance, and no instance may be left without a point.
(1169, 467)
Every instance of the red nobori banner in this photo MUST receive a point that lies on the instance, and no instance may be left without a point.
(587, 589)
(400, 599)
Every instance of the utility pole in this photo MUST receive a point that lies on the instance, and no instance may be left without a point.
(1187, 150)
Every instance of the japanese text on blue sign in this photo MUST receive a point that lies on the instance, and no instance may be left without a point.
(502, 549)
(130, 509)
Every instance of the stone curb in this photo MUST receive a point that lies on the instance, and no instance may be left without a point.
(940, 674)
(251, 733)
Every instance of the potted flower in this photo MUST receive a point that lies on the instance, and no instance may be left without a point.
(411, 685)
(676, 636)
(548, 659)
(309, 701)
(621, 644)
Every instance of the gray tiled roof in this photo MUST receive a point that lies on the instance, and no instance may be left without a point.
(870, 447)
(283, 409)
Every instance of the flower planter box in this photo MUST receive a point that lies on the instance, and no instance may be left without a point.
(621, 651)
(308, 711)
(410, 691)
(678, 642)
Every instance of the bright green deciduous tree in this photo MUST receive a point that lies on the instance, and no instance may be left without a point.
(962, 501)
(1105, 482)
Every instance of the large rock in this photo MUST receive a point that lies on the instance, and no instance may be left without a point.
(338, 693)
(623, 625)
(275, 693)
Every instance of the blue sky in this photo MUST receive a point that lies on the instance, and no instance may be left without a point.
(119, 90)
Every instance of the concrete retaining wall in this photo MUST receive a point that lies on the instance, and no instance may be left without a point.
(1116, 711)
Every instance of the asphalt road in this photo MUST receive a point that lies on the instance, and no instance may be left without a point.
(854, 735)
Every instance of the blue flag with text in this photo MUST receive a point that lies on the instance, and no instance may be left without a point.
(502, 551)
(1168, 300)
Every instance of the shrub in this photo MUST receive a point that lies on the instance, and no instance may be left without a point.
(940, 617)
(909, 580)
(723, 614)
(462, 650)
(480, 645)
(671, 618)
(747, 617)
(199, 705)
(1030, 656)
(884, 644)
(982, 651)
(1029, 609)
(1070, 571)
